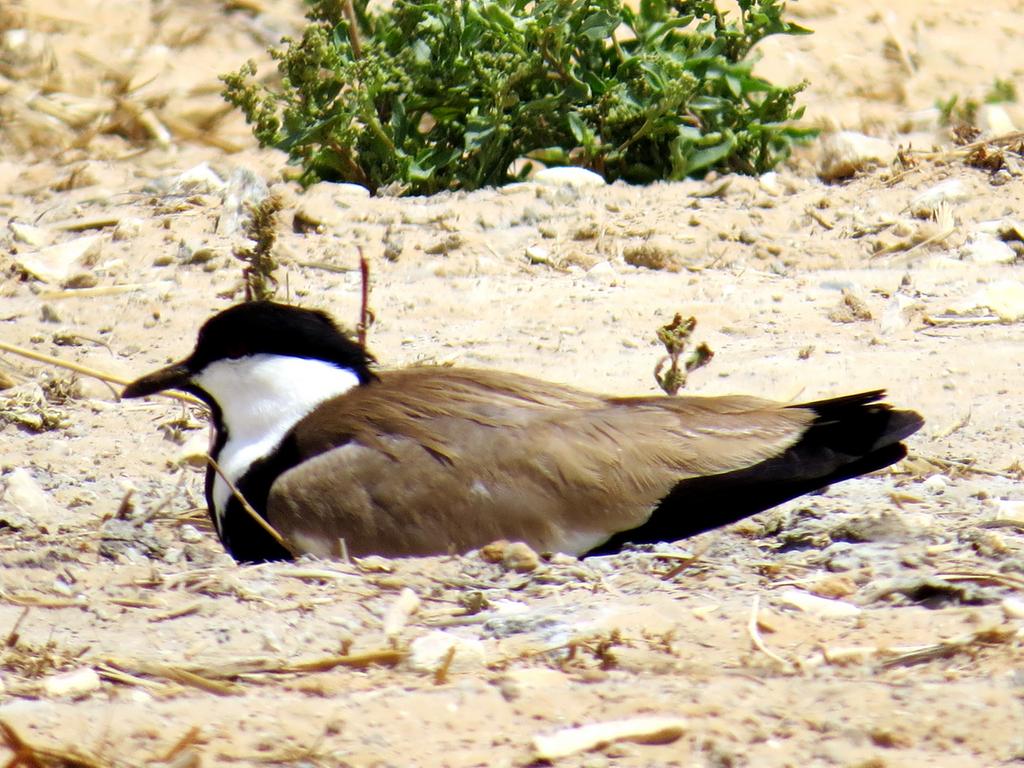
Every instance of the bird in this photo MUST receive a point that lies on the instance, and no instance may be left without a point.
(317, 450)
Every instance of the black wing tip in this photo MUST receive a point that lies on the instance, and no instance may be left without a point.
(866, 408)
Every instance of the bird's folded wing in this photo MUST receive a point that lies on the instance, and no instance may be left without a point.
(451, 462)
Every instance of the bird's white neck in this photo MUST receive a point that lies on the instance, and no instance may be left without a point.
(261, 397)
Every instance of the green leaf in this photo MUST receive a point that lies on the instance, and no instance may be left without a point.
(703, 158)
(598, 26)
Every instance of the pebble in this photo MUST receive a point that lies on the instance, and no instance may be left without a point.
(193, 452)
(602, 272)
(198, 180)
(81, 280)
(935, 484)
(58, 262)
(926, 204)
(74, 684)
(1004, 298)
(319, 206)
(1009, 509)
(128, 228)
(1013, 607)
(537, 254)
(428, 652)
(520, 557)
(994, 120)
(347, 189)
(540, 621)
(846, 152)
(568, 176)
(24, 494)
(28, 234)
(190, 534)
(658, 252)
(517, 683)
(986, 249)
(769, 183)
(818, 606)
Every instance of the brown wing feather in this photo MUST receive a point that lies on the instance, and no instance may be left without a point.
(429, 460)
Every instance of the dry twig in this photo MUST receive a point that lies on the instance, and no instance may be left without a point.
(256, 516)
(755, 636)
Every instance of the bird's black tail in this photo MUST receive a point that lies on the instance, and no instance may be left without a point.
(849, 436)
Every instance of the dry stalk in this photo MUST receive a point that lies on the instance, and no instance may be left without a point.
(366, 316)
(256, 516)
(353, 28)
(755, 636)
(98, 291)
(38, 601)
(223, 678)
(964, 643)
(190, 739)
(13, 636)
(963, 466)
(441, 673)
(26, 755)
(1000, 579)
(1006, 139)
(685, 561)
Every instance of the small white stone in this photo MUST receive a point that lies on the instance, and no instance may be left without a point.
(769, 183)
(128, 228)
(1009, 509)
(74, 684)
(190, 534)
(926, 204)
(936, 484)
(346, 189)
(994, 120)
(569, 176)
(986, 249)
(198, 180)
(537, 254)
(23, 493)
(193, 452)
(428, 652)
(58, 262)
(1013, 607)
(319, 207)
(28, 234)
(818, 606)
(602, 272)
(269, 641)
(846, 152)
(1005, 298)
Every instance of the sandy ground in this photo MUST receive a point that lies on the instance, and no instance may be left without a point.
(179, 657)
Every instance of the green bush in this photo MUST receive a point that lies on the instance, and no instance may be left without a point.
(436, 95)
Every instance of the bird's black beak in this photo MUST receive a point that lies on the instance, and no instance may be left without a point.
(176, 376)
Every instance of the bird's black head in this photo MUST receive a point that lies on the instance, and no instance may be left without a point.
(260, 328)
